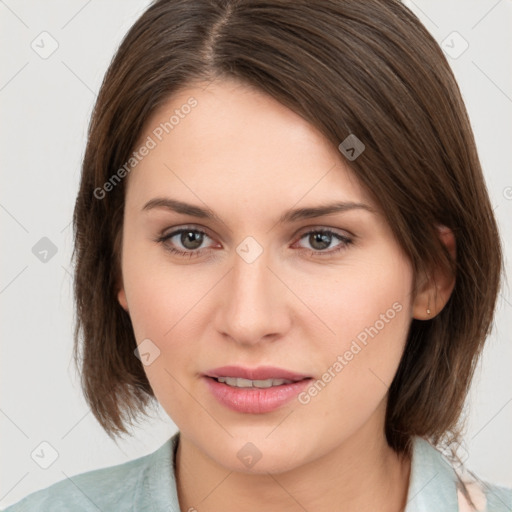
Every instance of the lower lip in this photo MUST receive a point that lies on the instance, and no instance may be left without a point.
(255, 400)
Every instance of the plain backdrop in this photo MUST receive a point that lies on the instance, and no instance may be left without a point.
(46, 101)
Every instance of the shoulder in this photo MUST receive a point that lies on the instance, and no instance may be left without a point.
(437, 485)
(118, 487)
(477, 495)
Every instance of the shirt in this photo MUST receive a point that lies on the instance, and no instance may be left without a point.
(148, 484)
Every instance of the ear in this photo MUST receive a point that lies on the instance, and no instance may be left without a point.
(436, 290)
(121, 297)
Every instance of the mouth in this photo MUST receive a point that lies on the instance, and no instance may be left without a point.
(257, 375)
(255, 391)
(238, 382)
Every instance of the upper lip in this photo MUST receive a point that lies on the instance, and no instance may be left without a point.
(260, 373)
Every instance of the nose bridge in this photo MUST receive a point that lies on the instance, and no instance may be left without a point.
(250, 280)
(253, 306)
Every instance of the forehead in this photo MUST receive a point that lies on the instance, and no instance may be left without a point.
(229, 141)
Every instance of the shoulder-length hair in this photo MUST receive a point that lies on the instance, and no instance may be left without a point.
(348, 67)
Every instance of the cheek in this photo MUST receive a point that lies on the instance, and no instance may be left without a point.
(368, 308)
(366, 295)
(165, 305)
(161, 307)
(161, 295)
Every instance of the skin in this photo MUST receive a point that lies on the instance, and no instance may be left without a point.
(249, 159)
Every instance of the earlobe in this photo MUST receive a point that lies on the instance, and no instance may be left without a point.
(436, 289)
(121, 297)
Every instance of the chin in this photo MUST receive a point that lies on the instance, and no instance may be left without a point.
(253, 454)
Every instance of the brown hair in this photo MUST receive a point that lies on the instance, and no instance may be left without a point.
(348, 67)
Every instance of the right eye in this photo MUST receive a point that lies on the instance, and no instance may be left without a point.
(184, 242)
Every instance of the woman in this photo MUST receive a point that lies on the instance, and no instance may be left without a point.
(283, 236)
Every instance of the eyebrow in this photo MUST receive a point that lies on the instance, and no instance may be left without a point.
(289, 216)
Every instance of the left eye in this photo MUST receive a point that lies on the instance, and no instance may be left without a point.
(322, 239)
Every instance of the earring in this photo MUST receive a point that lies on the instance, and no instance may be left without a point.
(428, 307)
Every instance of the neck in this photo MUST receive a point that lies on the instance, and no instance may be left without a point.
(361, 474)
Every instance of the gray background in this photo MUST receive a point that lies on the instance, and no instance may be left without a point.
(46, 104)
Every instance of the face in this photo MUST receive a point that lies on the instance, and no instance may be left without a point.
(326, 297)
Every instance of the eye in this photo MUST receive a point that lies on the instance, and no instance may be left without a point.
(322, 239)
(188, 240)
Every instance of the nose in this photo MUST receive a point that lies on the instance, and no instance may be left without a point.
(254, 304)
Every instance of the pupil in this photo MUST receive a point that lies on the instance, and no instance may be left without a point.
(191, 239)
(323, 238)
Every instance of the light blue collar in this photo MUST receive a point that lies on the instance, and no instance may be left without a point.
(433, 482)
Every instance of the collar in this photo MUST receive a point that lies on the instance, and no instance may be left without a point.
(433, 482)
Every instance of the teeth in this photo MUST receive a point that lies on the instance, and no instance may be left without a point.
(246, 383)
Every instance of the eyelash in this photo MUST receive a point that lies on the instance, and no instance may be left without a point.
(345, 242)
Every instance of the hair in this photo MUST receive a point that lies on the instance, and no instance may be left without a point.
(347, 67)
